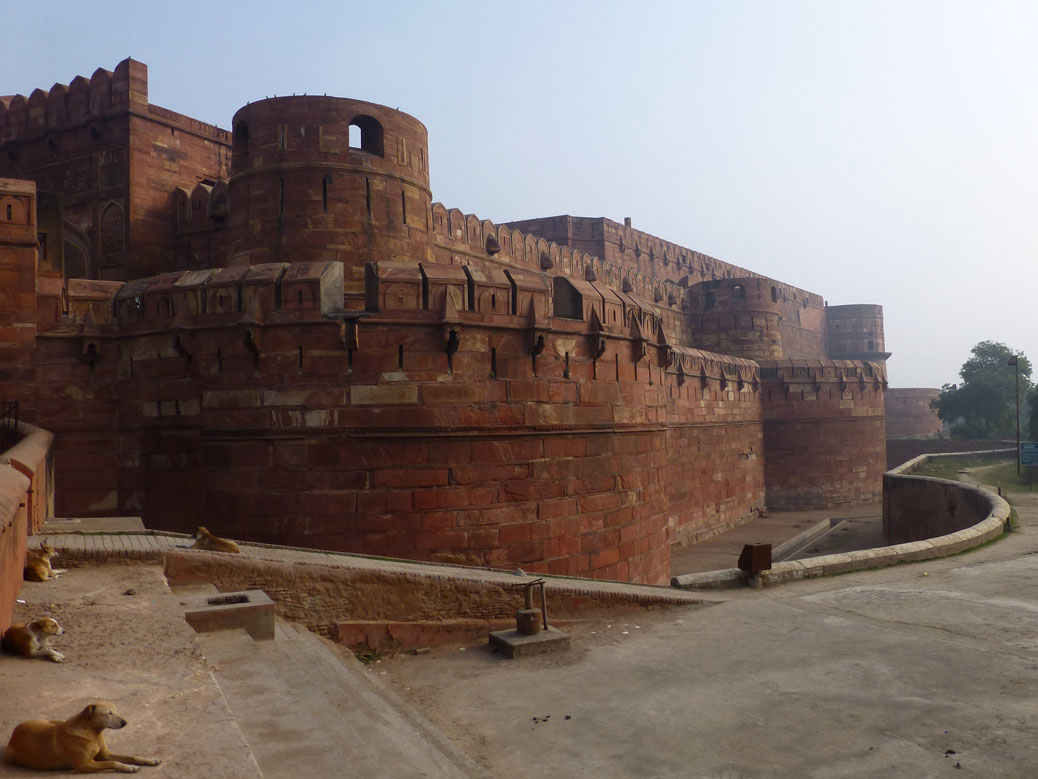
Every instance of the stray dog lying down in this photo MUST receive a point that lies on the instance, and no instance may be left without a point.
(74, 743)
(30, 639)
(206, 540)
(37, 566)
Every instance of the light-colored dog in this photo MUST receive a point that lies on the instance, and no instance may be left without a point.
(73, 743)
(30, 639)
(37, 565)
(206, 540)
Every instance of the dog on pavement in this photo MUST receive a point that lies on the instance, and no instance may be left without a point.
(30, 639)
(37, 566)
(75, 743)
(206, 540)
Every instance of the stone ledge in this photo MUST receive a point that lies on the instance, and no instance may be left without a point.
(883, 556)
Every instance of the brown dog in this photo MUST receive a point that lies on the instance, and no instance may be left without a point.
(75, 743)
(37, 567)
(29, 639)
(206, 540)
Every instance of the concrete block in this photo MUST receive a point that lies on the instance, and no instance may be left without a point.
(251, 610)
(513, 644)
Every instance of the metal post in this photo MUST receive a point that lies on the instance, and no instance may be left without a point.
(1015, 362)
(1018, 419)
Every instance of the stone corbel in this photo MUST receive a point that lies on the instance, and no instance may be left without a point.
(450, 321)
(91, 339)
(179, 348)
(251, 343)
(666, 356)
(637, 340)
(594, 332)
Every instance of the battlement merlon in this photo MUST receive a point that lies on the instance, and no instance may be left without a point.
(272, 292)
(105, 94)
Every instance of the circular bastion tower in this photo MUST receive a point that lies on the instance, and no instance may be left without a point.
(856, 332)
(328, 178)
(739, 317)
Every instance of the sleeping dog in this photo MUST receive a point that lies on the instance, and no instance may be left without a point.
(29, 639)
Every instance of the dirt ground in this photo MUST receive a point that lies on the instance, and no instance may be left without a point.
(125, 641)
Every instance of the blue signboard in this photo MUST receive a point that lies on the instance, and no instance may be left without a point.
(1029, 452)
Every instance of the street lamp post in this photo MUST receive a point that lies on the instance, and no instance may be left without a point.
(1015, 363)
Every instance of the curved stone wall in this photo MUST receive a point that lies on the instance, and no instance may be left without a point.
(26, 495)
(823, 432)
(302, 190)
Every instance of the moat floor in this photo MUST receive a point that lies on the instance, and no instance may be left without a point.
(862, 529)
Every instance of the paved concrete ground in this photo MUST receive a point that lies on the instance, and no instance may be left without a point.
(919, 670)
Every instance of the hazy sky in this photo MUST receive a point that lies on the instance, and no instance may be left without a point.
(871, 152)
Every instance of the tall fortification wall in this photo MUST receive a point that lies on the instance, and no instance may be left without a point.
(295, 344)
(824, 432)
(422, 429)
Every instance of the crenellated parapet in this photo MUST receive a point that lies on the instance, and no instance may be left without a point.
(640, 253)
(465, 236)
(105, 93)
(275, 292)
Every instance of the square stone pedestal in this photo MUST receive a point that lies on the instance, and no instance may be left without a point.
(251, 610)
(512, 643)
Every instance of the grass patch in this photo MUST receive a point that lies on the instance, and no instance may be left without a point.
(1003, 474)
(949, 467)
(368, 657)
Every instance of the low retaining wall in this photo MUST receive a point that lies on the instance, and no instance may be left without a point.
(26, 496)
(918, 508)
(327, 597)
(923, 516)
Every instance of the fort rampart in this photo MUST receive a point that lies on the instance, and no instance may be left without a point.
(291, 342)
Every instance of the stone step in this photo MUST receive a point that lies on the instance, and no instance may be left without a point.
(356, 692)
(304, 704)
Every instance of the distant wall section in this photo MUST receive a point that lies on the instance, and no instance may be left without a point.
(910, 413)
(824, 433)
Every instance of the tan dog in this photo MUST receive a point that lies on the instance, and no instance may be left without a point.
(37, 567)
(75, 743)
(206, 540)
(29, 639)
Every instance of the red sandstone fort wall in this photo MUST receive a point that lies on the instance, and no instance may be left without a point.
(824, 432)
(446, 389)
(100, 144)
(18, 269)
(587, 458)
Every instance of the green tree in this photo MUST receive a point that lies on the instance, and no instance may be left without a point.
(984, 404)
(1031, 431)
